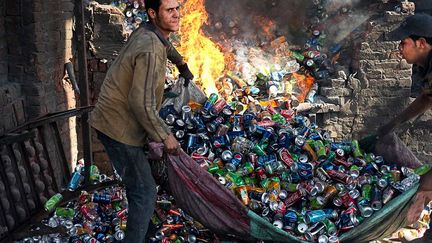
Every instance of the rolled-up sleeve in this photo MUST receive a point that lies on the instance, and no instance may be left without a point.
(142, 97)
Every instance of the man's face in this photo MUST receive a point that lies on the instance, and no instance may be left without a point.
(409, 50)
(168, 16)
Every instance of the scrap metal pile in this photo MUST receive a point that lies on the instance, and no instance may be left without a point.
(101, 216)
(288, 170)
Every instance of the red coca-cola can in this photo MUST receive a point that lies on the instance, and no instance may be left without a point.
(261, 173)
(286, 157)
(266, 123)
(340, 176)
(293, 198)
(347, 200)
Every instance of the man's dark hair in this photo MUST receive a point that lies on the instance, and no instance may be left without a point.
(416, 37)
(153, 4)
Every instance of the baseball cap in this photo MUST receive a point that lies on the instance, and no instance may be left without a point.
(418, 24)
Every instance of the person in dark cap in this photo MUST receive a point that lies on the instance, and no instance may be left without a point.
(415, 35)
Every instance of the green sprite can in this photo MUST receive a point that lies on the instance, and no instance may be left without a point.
(249, 181)
(221, 172)
(369, 157)
(316, 204)
(52, 203)
(155, 219)
(330, 227)
(367, 191)
(213, 168)
(116, 205)
(422, 169)
(94, 173)
(285, 176)
(320, 149)
(290, 187)
(65, 212)
(356, 149)
(297, 55)
(354, 167)
(259, 150)
(330, 157)
(265, 183)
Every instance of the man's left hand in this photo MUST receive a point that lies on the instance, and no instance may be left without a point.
(185, 73)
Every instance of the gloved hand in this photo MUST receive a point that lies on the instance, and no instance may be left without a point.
(185, 73)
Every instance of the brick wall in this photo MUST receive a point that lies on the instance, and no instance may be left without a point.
(380, 91)
(32, 56)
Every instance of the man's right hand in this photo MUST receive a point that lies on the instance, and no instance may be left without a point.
(172, 146)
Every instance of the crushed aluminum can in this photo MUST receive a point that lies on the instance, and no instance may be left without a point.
(278, 224)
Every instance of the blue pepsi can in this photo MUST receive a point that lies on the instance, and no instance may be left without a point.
(295, 177)
(247, 119)
(237, 159)
(198, 124)
(237, 123)
(100, 228)
(256, 129)
(213, 125)
(290, 217)
(192, 140)
(370, 169)
(262, 160)
(233, 134)
(100, 236)
(315, 136)
(102, 198)
(328, 166)
(305, 166)
(221, 141)
(74, 182)
(306, 174)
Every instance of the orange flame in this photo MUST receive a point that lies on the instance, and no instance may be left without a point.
(203, 56)
(208, 61)
(304, 84)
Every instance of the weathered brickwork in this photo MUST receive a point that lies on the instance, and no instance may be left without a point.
(106, 38)
(35, 43)
(380, 90)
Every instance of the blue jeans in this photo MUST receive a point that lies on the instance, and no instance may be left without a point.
(132, 165)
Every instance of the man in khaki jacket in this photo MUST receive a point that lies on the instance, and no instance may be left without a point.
(126, 114)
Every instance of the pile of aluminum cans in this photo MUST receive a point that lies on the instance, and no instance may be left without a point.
(101, 216)
(134, 12)
(286, 169)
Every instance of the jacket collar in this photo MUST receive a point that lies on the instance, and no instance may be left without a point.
(151, 27)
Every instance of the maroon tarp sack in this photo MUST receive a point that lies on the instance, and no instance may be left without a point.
(197, 192)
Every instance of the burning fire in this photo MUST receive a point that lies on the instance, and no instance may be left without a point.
(211, 62)
(203, 56)
(304, 83)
